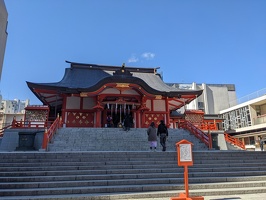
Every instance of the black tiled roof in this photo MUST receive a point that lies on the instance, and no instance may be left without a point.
(89, 77)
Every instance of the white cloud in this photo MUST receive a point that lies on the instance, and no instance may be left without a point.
(148, 55)
(133, 59)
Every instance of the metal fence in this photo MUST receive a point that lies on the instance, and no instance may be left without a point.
(249, 97)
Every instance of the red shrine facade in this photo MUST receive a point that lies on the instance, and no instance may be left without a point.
(88, 93)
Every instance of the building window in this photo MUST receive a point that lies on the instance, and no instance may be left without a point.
(235, 119)
(201, 105)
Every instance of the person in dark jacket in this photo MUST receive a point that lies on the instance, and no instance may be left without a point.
(162, 131)
(261, 143)
(109, 120)
(128, 122)
(152, 138)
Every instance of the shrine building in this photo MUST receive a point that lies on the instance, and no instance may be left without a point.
(88, 93)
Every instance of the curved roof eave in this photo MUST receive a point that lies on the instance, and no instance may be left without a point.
(113, 79)
(79, 79)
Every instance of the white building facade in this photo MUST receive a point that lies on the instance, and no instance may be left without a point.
(3, 33)
(10, 109)
(247, 120)
(215, 97)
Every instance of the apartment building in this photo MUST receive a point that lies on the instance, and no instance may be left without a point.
(247, 119)
(10, 109)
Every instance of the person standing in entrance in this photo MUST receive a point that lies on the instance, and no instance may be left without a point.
(109, 121)
(261, 143)
(128, 122)
(152, 138)
(163, 133)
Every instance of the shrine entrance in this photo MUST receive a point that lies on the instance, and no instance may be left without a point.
(114, 115)
(119, 103)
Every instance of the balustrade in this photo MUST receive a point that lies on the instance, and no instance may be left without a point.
(260, 120)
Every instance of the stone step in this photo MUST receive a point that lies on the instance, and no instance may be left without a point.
(97, 174)
(234, 194)
(132, 174)
(113, 182)
(115, 139)
(137, 191)
(211, 194)
(103, 156)
(130, 165)
(40, 179)
(134, 163)
(124, 168)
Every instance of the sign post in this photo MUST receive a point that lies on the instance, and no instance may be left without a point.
(185, 159)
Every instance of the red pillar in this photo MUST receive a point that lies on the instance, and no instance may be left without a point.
(98, 118)
(63, 110)
(98, 108)
(174, 124)
(143, 119)
(137, 120)
(167, 112)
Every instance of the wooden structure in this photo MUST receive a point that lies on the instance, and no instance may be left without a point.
(35, 117)
(88, 93)
(185, 159)
(36, 113)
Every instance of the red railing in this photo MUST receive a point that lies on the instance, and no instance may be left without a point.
(51, 128)
(206, 138)
(3, 129)
(234, 141)
(26, 125)
(48, 134)
(30, 124)
(202, 136)
(208, 126)
(205, 125)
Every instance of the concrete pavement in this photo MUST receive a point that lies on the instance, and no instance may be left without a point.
(258, 196)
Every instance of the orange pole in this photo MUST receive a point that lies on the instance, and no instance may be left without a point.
(186, 180)
(210, 140)
(45, 140)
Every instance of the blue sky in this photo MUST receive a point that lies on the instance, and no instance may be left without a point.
(202, 41)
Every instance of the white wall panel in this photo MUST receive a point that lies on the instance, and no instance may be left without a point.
(88, 103)
(73, 103)
(159, 105)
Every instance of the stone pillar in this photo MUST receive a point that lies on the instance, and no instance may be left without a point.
(205, 97)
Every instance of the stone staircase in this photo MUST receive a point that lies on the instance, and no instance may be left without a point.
(115, 139)
(111, 175)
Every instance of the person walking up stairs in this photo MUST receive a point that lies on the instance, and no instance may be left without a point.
(163, 133)
(152, 138)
